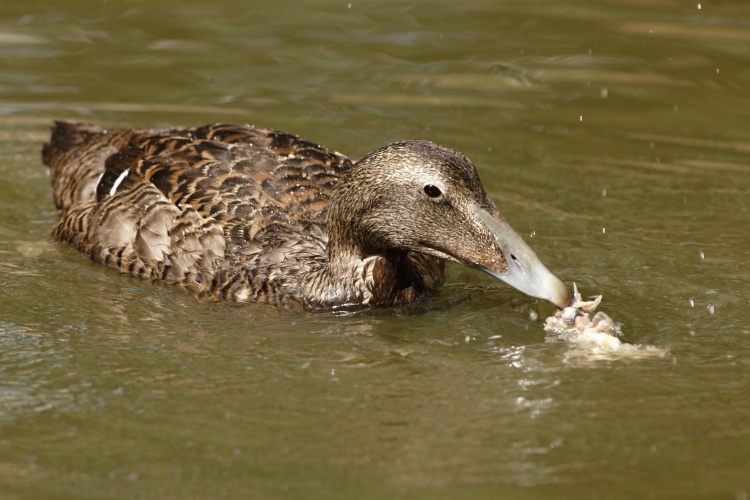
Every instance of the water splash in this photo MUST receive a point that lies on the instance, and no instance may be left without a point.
(594, 338)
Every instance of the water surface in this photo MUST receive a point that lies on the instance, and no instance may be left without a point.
(612, 135)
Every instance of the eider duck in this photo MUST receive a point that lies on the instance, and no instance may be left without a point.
(246, 214)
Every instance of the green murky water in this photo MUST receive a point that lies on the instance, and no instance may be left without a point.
(613, 135)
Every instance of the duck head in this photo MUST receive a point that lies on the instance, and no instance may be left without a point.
(422, 197)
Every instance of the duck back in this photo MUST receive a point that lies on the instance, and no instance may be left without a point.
(221, 209)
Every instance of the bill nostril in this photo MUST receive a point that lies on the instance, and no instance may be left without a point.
(518, 263)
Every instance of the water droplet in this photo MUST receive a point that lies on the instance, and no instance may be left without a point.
(699, 6)
(717, 71)
(533, 233)
(603, 93)
(604, 230)
(533, 315)
(692, 303)
(604, 193)
(580, 118)
(701, 255)
(711, 309)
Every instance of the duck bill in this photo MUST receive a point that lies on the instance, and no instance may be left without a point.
(525, 272)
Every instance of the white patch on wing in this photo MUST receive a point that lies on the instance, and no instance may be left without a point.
(118, 181)
(242, 295)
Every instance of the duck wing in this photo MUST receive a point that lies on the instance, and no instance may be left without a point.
(177, 204)
(246, 178)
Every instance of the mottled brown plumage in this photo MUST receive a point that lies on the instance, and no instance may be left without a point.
(242, 213)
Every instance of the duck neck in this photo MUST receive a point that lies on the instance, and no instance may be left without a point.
(361, 269)
(353, 277)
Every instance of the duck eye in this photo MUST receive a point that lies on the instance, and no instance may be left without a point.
(432, 191)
